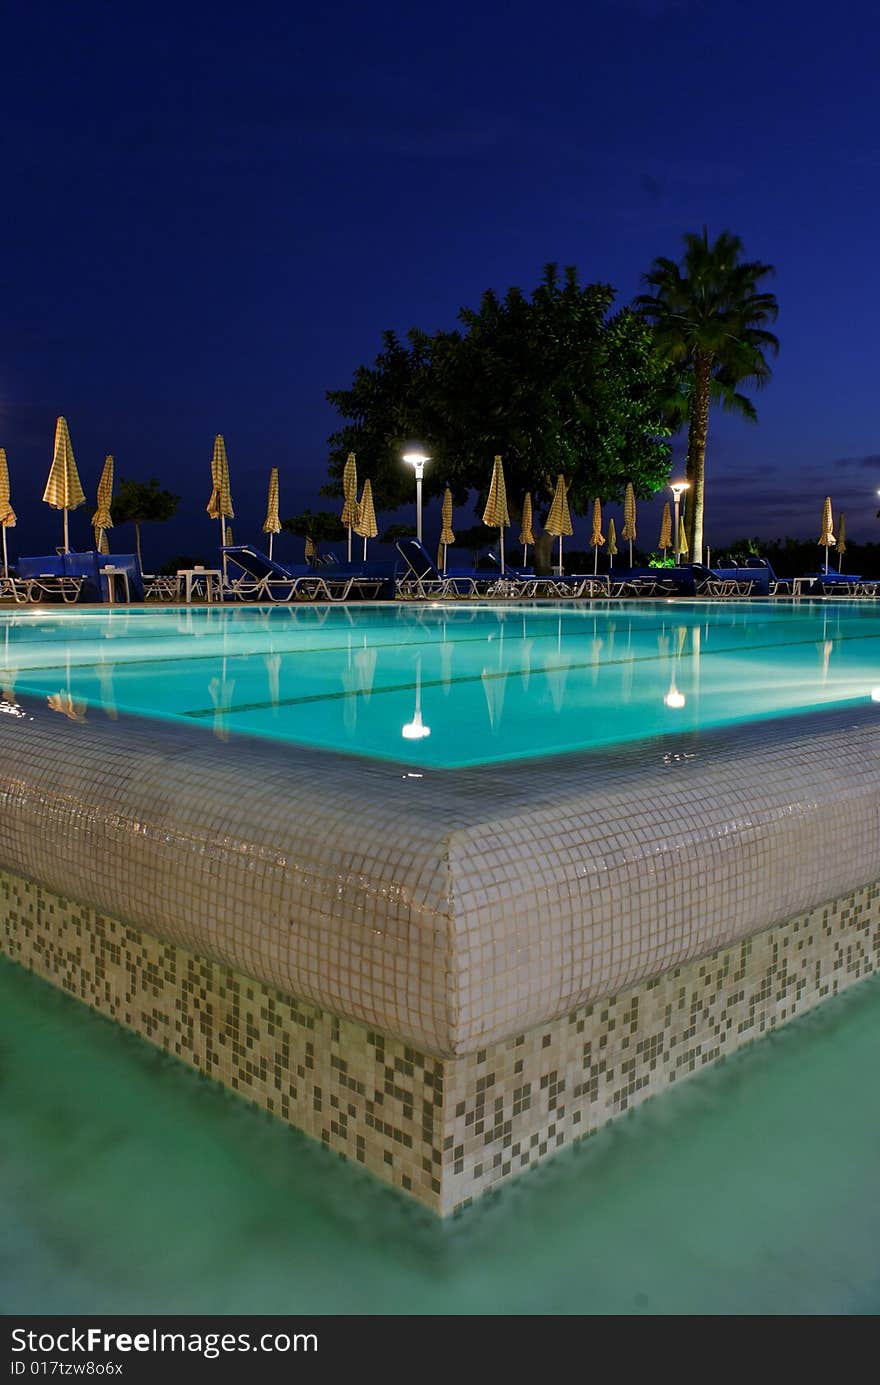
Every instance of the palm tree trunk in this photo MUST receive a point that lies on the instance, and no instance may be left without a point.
(696, 457)
(137, 543)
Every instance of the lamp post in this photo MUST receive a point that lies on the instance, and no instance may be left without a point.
(678, 489)
(416, 459)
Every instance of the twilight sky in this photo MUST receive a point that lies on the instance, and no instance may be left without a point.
(210, 212)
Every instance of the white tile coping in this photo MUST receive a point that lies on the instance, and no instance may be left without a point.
(457, 907)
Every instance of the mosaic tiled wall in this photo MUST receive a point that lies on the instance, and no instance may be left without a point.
(443, 1130)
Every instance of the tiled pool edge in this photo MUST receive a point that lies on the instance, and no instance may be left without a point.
(449, 910)
(444, 1130)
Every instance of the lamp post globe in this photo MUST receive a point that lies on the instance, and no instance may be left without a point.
(678, 489)
(416, 457)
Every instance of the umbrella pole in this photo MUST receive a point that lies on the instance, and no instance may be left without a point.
(271, 537)
(444, 559)
(525, 554)
(66, 545)
(501, 532)
(560, 555)
(5, 555)
(349, 543)
(596, 560)
(365, 548)
(630, 552)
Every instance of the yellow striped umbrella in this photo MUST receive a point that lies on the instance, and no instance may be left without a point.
(447, 534)
(629, 517)
(7, 514)
(559, 518)
(841, 539)
(597, 538)
(102, 518)
(349, 514)
(272, 524)
(665, 540)
(63, 488)
(220, 504)
(526, 536)
(496, 514)
(311, 549)
(366, 521)
(612, 544)
(826, 538)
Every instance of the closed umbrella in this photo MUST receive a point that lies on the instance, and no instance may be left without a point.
(102, 519)
(597, 538)
(349, 514)
(447, 533)
(220, 504)
(496, 514)
(63, 488)
(826, 538)
(841, 540)
(272, 524)
(527, 536)
(682, 538)
(665, 540)
(629, 517)
(559, 518)
(7, 514)
(612, 544)
(366, 521)
(311, 552)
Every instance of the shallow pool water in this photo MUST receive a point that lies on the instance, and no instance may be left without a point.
(128, 1184)
(447, 685)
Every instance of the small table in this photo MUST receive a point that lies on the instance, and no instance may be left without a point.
(193, 576)
(111, 573)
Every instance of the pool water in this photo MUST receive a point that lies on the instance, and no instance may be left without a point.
(749, 1189)
(447, 685)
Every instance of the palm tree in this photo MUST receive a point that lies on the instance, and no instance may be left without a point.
(710, 318)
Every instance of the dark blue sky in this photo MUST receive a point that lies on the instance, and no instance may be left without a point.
(211, 212)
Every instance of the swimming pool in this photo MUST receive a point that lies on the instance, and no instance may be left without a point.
(472, 880)
(449, 686)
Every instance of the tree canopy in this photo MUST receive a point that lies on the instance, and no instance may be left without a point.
(142, 502)
(554, 381)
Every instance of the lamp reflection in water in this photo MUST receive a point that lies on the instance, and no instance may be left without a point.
(673, 697)
(416, 730)
(494, 681)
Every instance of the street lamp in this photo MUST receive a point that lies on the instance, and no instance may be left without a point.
(416, 458)
(678, 489)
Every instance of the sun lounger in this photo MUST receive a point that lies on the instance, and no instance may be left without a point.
(776, 586)
(13, 588)
(253, 576)
(422, 578)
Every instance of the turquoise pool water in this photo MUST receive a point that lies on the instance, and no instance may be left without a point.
(752, 1188)
(447, 685)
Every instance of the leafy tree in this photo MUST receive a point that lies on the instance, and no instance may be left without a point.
(181, 560)
(710, 317)
(139, 502)
(398, 531)
(321, 527)
(554, 382)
